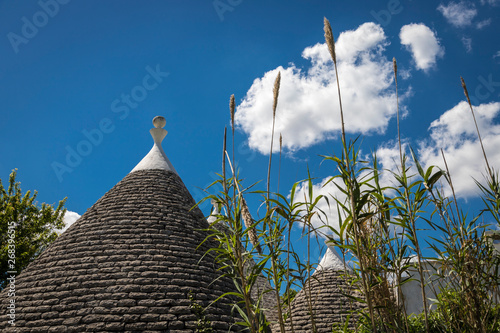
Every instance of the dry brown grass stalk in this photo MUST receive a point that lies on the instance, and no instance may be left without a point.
(490, 172)
(276, 91)
(395, 66)
(247, 218)
(231, 111)
(331, 47)
(224, 161)
(268, 215)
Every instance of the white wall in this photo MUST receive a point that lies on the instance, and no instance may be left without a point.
(412, 292)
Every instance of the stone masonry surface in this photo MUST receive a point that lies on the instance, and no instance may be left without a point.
(326, 291)
(127, 265)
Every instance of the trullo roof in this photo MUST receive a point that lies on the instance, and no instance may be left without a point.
(324, 299)
(129, 264)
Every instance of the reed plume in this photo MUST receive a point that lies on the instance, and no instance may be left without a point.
(231, 109)
(329, 40)
(247, 218)
(276, 91)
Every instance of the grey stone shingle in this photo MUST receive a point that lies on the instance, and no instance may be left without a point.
(127, 264)
(326, 291)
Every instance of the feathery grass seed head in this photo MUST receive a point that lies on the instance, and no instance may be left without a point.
(276, 91)
(465, 89)
(329, 40)
(247, 218)
(395, 65)
(231, 109)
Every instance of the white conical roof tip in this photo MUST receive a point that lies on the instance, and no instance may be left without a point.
(156, 158)
(332, 260)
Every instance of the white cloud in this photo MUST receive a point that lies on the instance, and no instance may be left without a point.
(388, 158)
(467, 44)
(326, 215)
(422, 43)
(456, 134)
(308, 110)
(458, 14)
(69, 218)
(490, 2)
(496, 55)
(456, 125)
(483, 23)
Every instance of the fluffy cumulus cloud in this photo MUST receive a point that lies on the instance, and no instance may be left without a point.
(69, 218)
(422, 43)
(456, 134)
(459, 14)
(308, 109)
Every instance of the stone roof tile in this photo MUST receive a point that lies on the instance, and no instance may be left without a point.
(326, 291)
(128, 264)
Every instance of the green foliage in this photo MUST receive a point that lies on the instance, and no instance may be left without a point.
(237, 260)
(288, 298)
(29, 227)
(380, 232)
(415, 324)
(447, 317)
(203, 325)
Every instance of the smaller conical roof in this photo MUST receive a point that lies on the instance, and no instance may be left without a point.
(332, 260)
(326, 293)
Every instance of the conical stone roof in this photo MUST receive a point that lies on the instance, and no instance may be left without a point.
(129, 264)
(324, 298)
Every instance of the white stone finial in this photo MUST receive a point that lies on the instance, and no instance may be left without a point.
(156, 158)
(215, 212)
(159, 122)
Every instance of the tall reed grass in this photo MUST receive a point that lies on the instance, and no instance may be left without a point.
(379, 233)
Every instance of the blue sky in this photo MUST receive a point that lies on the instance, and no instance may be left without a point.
(87, 77)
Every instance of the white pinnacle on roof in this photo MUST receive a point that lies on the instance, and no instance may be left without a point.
(215, 212)
(156, 158)
(332, 260)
